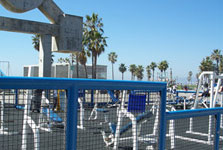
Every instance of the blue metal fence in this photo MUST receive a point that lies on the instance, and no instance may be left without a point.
(73, 85)
(181, 114)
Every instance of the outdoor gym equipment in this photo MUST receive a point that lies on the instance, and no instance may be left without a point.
(3, 130)
(203, 78)
(47, 113)
(136, 105)
(81, 97)
(97, 110)
(27, 121)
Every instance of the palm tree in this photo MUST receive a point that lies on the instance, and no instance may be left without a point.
(161, 68)
(148, 72)
(36, 39)
(122, 69)
(153, 66)
(95, 41)
(221, 65)
(71, 59)
(206, 65)
(132, 69)
(83, 60)
(112, 57)
(165, 67)
(76, 56)
(216, 55)
(139, 72)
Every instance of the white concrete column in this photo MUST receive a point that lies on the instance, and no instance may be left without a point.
(45, 56)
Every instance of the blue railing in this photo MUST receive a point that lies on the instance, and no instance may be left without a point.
(173, 115)
(74, 85)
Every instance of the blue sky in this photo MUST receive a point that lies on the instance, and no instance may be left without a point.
(182, 32)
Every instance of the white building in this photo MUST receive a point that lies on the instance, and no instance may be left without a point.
(64, 70)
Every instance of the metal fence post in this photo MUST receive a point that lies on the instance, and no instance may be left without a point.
(162, 133)
(16, 97)
(217, 131)
(92, 98)
(71, 128)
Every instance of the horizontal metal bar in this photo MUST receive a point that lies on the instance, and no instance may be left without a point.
(193, 113)
(62, 83)
(187, 92)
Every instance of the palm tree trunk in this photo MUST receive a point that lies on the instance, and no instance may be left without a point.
(112, 72)
(122, 76)
(85, 68)
(77, 65)
(153, 75)
(94, 65)
(217, 67)
(132, 76)
(164, 76)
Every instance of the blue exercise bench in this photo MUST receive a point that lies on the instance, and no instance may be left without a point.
(136, 105)
(113, 98)
(45, 111)
(140, 118)
(52, 115)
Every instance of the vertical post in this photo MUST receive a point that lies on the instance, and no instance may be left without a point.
(55, 71)
(71, 127)
(134, 133)
(221, 126)
(162, 114)
(119, 123)
(92, 98)
(217, 131)
(212, 90)
(16, 97)
(148, 98)
(211, 106)
(45, 56)
(25, 119)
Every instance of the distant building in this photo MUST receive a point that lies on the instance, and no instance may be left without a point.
(64, 70)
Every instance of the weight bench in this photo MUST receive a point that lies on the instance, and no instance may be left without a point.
(52, 115)
(140, 118)
(136, 105)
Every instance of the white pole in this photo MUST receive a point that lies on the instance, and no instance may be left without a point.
(81, 126)
(221, 106)
(134, 133)
(212, 90)
(185, 104)
(119, 123)
(156, 120)
(172, 133)
(209, 129)
(117, 132)
(25, 118)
